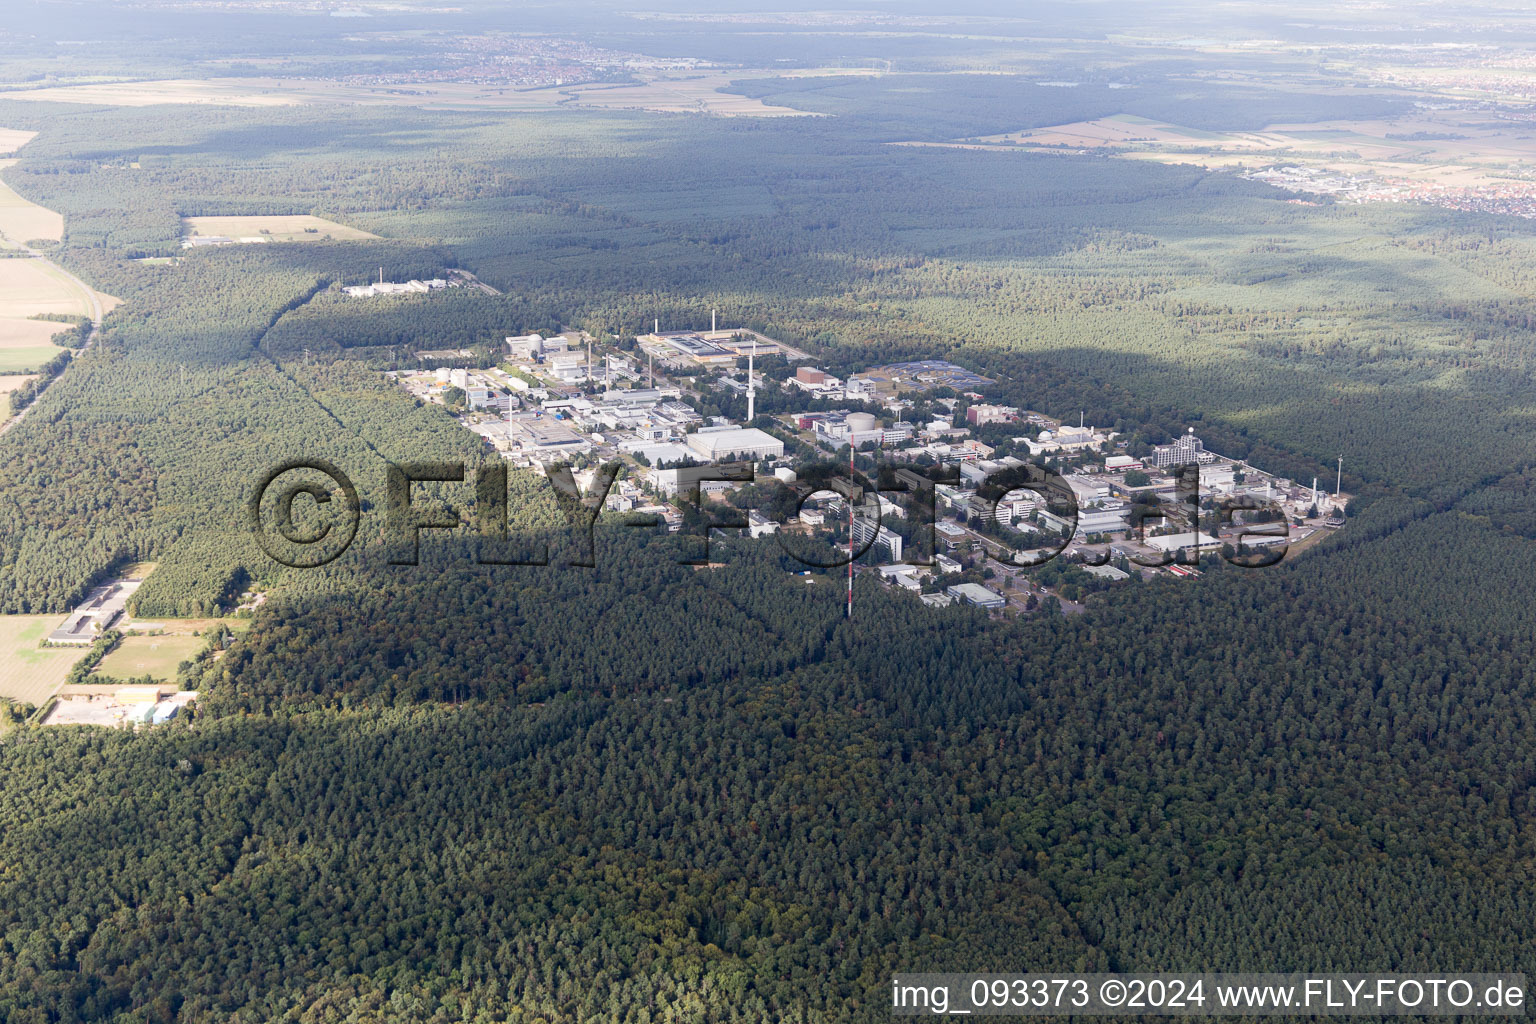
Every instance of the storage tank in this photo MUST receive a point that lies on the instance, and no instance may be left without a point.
(861, 421)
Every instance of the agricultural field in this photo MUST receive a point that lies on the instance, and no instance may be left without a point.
(297, 228)
(665, 93)
(29, 673)
(12, 139)
(25, 345)
(1120, 130)
(10, 382)
(21, 220)
(1445, 148)
(29, 287)
(226, 92)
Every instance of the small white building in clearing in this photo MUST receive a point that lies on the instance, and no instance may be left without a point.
(759, 525)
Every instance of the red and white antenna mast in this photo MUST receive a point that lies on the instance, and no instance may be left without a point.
(850, 526)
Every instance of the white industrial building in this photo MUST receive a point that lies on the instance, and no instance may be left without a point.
(1104, 520)
(1086, 489)
(729, 444)
(525, 346)
(570, 367)
(978, 595)
(1181, 541)
(365, 291)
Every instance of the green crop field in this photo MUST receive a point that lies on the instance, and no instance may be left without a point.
(155, 656)
(28, 673)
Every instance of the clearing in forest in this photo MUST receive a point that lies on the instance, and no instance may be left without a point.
(158, 655)
(155, 656)
(287, 228)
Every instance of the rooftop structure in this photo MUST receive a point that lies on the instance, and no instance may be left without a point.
(1181, 541)
(102, 608)
(544, 433)
(981, 415)
(396, 288)
(759, 525)
(689, 345)
(724, 444)
(924, 375)
(525, 346)
(1188, 448)
(978, 595)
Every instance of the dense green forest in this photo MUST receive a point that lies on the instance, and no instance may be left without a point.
(652, 792)
(422, 799)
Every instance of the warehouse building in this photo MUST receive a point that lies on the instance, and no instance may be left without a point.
(978, 595)
(729, 444)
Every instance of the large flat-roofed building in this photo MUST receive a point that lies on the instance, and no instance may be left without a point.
(981, 415)
(569, 366)
(978, 595)
(690, 345)
(635, 397)
(924, 375)
(726, 444)
(1182, 541)
(1109, 520)
(545, 434)
(661, 454)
